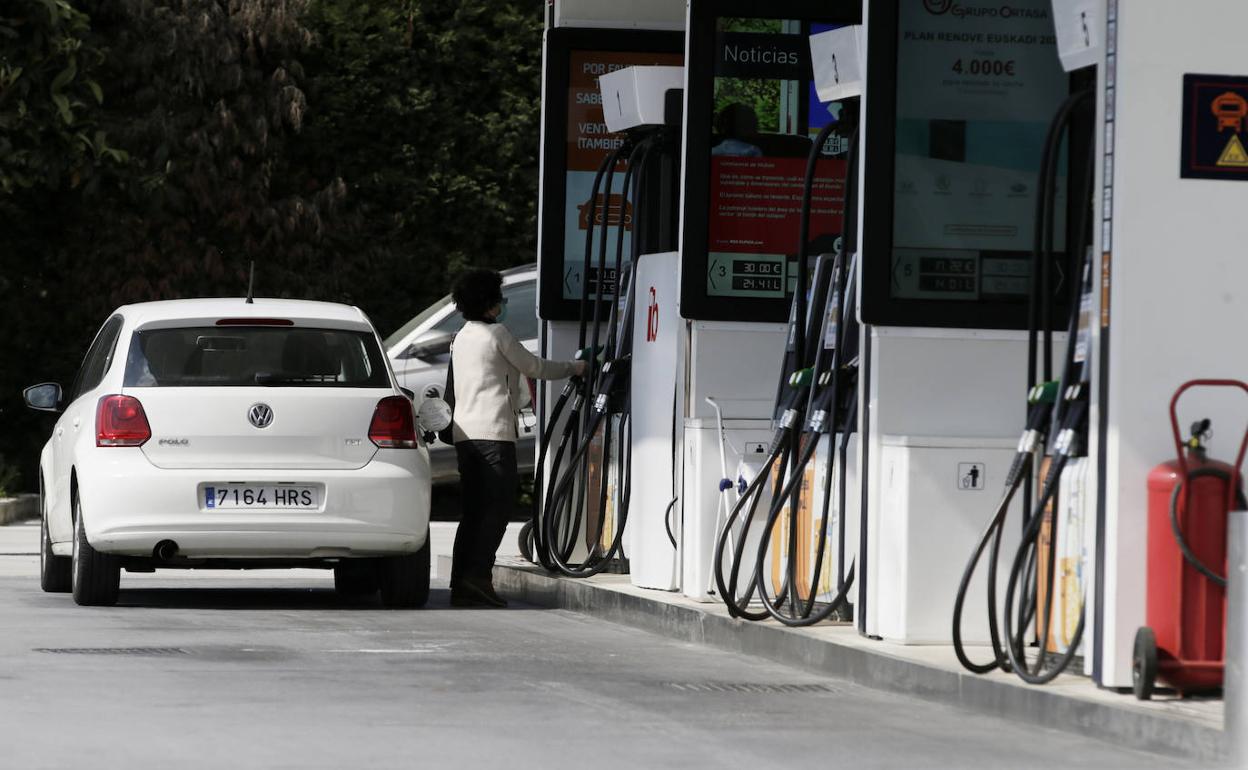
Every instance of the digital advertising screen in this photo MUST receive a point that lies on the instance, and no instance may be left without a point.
(751, 120)
(973, 95)
(576, 144)
(974, 100)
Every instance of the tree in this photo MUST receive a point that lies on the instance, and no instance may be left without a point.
(52, 149)
(429, 110)
(48, 96)
(358, 152)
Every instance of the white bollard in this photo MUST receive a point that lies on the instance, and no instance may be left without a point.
(1235, 691)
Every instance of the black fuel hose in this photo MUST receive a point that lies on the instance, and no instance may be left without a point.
(544, 536)
(823, 405)
(779, 451)
(1071, 414)
(807, 615)
(992, 534)
(802, 610)
(561, 512)
(1042, 422)
(738, 605)
(538, 553)
(1074, 424)
(788, 443)
(1040, 297)
(799, 335)
(563, 508)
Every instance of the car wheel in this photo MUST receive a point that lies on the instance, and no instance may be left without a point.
(96, 576)
(55, 572)
(355, 580)
(404, 580)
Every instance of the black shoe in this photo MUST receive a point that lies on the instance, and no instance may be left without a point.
(461, 598)
(483, 591)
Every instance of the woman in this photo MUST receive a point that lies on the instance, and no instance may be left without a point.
(488, 363)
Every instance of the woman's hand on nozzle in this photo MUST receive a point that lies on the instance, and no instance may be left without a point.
(580, 368)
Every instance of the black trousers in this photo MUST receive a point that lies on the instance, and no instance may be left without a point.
(487, 482)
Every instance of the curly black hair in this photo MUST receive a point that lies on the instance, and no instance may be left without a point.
(476, 291)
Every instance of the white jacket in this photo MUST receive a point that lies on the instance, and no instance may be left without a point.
(489, 362)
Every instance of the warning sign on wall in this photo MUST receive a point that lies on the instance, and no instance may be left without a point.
(1215, 127)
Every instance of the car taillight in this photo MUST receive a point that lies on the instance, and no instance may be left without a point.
(394, 425)
(121, 421)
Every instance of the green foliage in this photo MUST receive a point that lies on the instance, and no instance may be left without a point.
(48, 98)
(358, 152)
(429, 110)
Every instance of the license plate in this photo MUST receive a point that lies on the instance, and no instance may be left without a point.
(261, 496)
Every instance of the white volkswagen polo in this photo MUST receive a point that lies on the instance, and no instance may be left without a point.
(222, 433)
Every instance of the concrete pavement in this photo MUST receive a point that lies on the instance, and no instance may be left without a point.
(274, 670)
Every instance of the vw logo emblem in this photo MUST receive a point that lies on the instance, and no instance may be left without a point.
(937, 7)
(260, 415)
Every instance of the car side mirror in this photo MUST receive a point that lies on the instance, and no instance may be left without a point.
(45, 397)
(430, 350)
(433, 415)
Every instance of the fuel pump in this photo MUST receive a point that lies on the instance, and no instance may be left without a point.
(752, 119)
(604, 198)
(591, 466)
(1057, 415)
(812, 411)
(956, 112)
(1098, 570)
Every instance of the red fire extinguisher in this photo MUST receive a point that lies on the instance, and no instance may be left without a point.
(1189, 498)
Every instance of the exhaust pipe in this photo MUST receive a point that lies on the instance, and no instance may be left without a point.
(165, 550)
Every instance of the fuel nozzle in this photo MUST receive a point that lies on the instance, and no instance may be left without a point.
(802, 378)
(613, 384)
(590, 354)
(1043, 393)
(1040, 401)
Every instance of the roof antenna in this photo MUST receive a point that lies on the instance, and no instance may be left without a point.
(251, 284)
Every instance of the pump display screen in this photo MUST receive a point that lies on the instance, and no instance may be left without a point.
(760, 138)
(972, 98)
(975, 95)
(576, 142)
(752, 117)
(588, 145)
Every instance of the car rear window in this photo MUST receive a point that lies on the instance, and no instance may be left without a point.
(214, 356)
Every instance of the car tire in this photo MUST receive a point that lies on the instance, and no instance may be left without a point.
(355, 580)
(55, 572)
(96, 576)
(404, 580)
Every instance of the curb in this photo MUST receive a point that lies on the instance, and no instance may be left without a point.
(18, 508)
(1046, 707)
